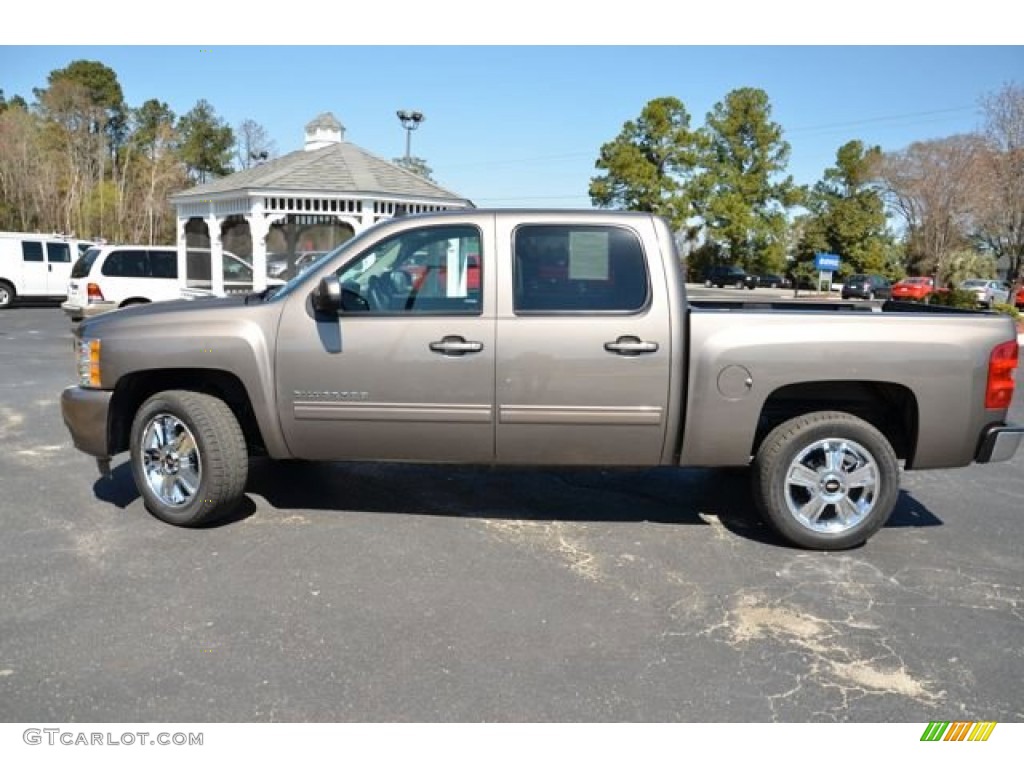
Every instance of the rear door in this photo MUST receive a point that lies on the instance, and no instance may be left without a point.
(584, 343)
(33, 269)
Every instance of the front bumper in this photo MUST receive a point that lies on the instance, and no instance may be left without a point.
(85, 415)
(999, 443)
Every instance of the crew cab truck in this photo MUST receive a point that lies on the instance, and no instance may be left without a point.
(542, 338)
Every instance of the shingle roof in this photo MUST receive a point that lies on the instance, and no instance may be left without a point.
(336, 168)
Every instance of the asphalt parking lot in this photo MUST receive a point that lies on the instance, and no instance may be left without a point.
(397, 593)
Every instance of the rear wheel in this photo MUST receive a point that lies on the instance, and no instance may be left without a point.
(7, 294)
(826, 480)
(188, 457)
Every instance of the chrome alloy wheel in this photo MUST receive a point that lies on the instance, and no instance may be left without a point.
(832, 485)
(170, 460)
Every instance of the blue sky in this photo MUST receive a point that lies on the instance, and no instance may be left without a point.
(522, 125)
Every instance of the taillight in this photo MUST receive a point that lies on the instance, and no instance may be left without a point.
(94, 292)
(1001, 364)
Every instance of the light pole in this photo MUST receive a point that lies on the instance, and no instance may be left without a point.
(410, 121)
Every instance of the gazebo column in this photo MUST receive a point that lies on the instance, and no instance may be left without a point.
(259, 228)
(182, 243)
(366, 218)
(213, 223)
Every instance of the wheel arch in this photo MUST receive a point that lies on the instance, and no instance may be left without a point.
(890, 407)
(134, 389)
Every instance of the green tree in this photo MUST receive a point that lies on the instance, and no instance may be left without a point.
(649, 165)
(847, 213)
(159, 172)
(415, 165)
(103, 91)
(739, 196)
(963, 264)
(206, 142)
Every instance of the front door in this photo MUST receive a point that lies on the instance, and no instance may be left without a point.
(405, 371)
(584, 348)
(58, 268)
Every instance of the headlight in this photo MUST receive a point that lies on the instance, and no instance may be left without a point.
(89, 362)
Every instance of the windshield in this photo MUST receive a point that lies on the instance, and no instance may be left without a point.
(974, 283)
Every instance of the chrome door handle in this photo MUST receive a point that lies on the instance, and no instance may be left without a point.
(631, 346)
(455, 346)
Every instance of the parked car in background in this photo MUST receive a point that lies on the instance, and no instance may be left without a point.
(115, 276)
(771, 281)
(277, 263)
(866, 287)
(35, 265)
(1018, 301)
(721, 276)
(913, 288)
(988, 292)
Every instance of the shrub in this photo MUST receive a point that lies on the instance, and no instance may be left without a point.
(954, 298)
(1008, 309)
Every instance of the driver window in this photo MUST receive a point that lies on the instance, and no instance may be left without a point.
(431, 270)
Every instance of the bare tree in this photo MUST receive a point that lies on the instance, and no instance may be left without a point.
(999, 202)
(253, 145)
(932, 186)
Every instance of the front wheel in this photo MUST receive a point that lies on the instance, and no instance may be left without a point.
(826, 480)
(188, 457)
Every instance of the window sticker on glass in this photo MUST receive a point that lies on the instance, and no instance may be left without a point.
(588, 256)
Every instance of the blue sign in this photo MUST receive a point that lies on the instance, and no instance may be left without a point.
(826, 262)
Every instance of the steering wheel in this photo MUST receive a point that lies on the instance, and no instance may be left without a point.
(378, 294)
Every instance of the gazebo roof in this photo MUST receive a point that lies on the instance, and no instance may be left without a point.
(337, 168)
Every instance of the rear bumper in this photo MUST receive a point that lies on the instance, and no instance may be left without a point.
(999, 443)
(85, 415)
(79, 312)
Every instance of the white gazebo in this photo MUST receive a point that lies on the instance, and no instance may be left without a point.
(331, 190)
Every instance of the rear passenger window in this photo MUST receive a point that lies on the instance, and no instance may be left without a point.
(126, 264)
(31, 250)
(163, 264)
(578, 268)
(58, 253)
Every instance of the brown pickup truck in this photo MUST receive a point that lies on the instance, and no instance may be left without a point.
(542, 338)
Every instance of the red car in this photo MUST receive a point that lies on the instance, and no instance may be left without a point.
(913, 288)
(1018, 300)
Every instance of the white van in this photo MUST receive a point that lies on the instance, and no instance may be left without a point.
(36, 266)
(115, 276)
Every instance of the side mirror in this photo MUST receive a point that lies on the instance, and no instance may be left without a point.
(327, 295)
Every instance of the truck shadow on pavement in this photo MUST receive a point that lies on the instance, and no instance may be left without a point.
(662, 495)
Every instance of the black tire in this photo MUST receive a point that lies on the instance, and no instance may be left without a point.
(7, 294)
(208, 452)
(865, 457)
